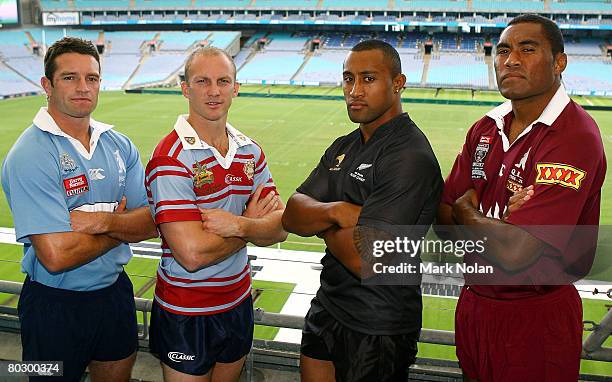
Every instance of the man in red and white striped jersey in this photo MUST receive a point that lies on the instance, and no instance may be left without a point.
(210, 192)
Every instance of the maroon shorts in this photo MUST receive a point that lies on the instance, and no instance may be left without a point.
(532, 339)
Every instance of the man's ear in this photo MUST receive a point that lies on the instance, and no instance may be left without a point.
(560, 63)
(185, 89)
(398, 83)
(46, 85)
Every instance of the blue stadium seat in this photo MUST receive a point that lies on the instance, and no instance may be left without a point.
(458, 70)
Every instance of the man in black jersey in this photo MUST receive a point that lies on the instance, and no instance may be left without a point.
(380, 176)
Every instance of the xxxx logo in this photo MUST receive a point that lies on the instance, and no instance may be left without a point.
(561, 174)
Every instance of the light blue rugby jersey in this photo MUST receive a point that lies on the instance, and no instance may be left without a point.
(47, 173)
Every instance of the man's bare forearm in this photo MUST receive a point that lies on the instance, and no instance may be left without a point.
(306, 216)
(194, 248)
(62, 251)
(339, 241)
(508, 246)
(130, 226)
(263, 231)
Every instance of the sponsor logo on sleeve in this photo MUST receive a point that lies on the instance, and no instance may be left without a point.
(482, 149)
(560, 174)
(339, 159)
(75, 186)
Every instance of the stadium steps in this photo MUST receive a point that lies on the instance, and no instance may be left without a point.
(249, 58)
(391, 4)
(470, 4)
(547, 5)
(252, 3)
(489, 62)
(143, 58)
(30, 38)
(426, 60)
(101, 38)
(307, 57)
(319, 4)
(21, 75)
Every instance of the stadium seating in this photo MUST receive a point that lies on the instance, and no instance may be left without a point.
(584, 76)
(578, 5)
(265, 66)
(11, 83)
(412, 67)
(352, 4)
(223, 39)
(161, 4)
(101, 4)
(458, 70)
(54, 5)
(583, 47)
(285, 4)
(30, 66)
(222, 3)
(116, 69)
(180, 41)
(158, 67)
(518, 6)
(325, 67)
(434, 4)
(285, 42)
(127, 42)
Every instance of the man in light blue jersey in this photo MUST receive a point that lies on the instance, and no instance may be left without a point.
(76, 191)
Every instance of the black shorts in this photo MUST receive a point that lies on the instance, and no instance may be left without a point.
(357, 356)
(77, 327)
(193, 344)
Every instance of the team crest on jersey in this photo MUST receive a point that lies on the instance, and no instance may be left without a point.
(67, 163)
(561, 174)
(339, 158)
(482, 149)
(201, 175)
(190, 140)
(75, 186)
(249, 169)
(516, 177)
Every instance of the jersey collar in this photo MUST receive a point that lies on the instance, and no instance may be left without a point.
(549, 115)
(190, 140)
(45, 122)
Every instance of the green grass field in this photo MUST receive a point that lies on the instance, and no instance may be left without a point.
(294, 134)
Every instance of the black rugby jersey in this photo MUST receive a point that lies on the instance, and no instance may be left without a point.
(396, 179)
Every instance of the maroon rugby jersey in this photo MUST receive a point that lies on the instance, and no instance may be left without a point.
(562, 155)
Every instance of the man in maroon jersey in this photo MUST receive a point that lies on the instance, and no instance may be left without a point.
(537, 159)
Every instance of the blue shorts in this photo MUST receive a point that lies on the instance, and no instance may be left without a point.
(193, 344)
(77, 327)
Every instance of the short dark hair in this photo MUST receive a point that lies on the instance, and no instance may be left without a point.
(389, 53)
(551, 30)
(68, 45)
(207, 51)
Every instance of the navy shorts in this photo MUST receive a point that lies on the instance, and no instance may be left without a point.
(77, 327)
(193, 344)
(357, 356)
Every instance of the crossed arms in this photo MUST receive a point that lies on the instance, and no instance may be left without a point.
(94, 233)
(513, 250)
(198, 244)
(335, 222)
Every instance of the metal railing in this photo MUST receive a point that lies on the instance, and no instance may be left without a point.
(592, 347)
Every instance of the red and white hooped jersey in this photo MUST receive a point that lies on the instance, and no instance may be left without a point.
(183, 175)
